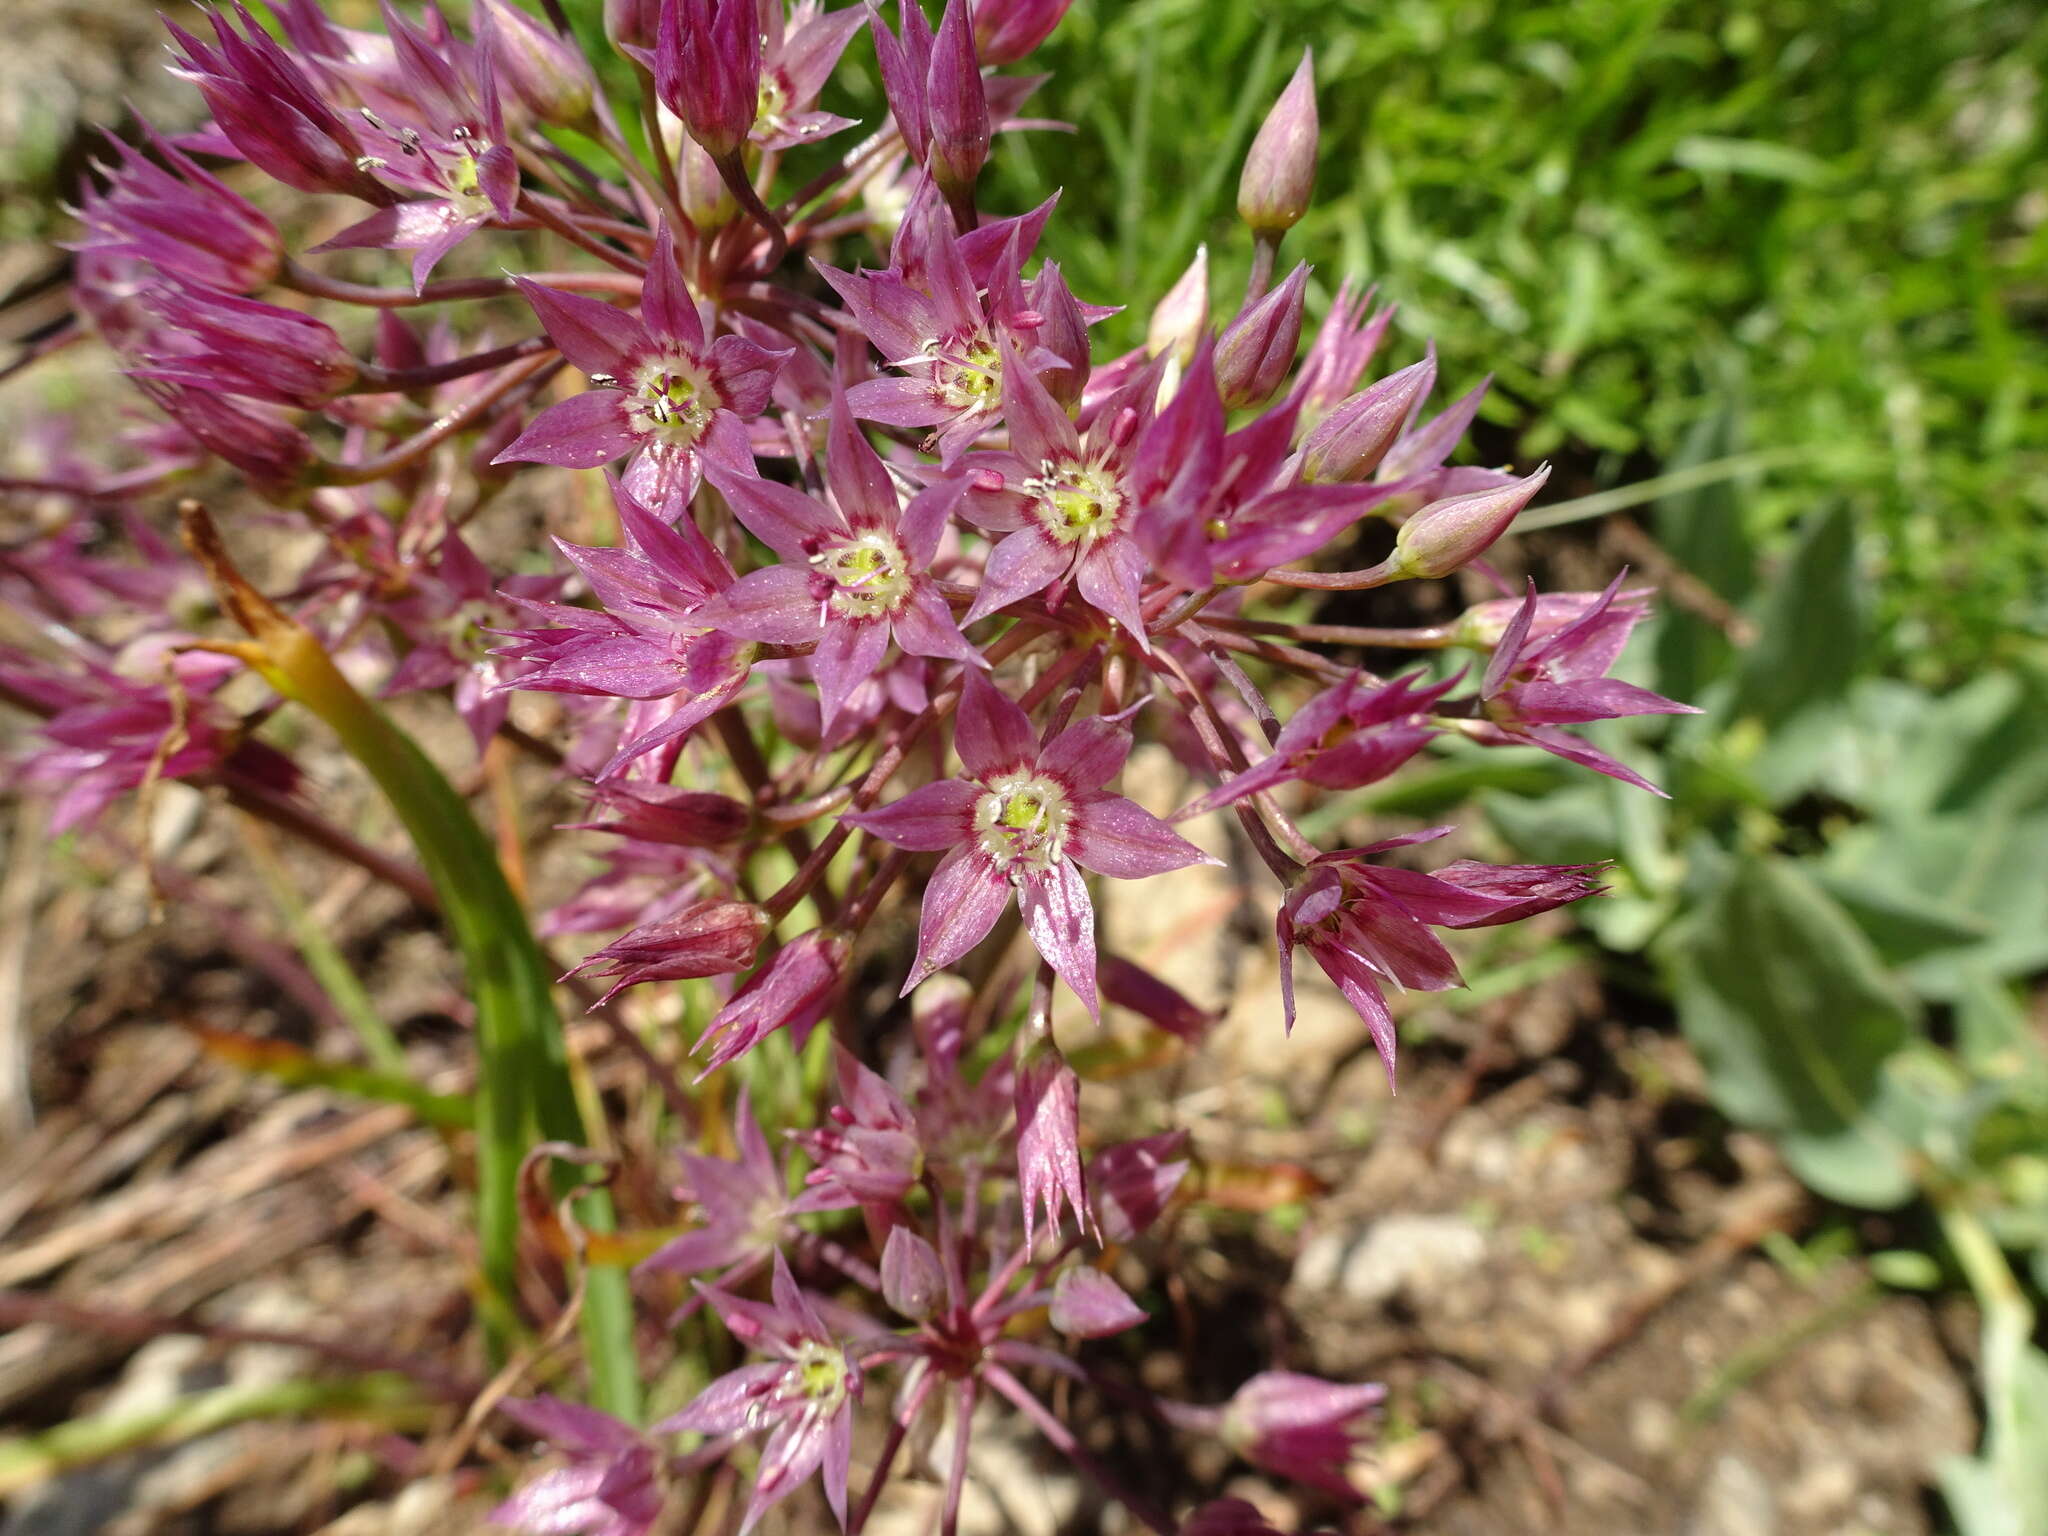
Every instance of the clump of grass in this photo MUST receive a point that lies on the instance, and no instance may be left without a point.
(1638, 213)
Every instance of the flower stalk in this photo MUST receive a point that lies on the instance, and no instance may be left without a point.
(524, 1086)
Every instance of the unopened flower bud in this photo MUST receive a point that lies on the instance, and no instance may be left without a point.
(1008, 30)
(1180, 318)
(1134, 1180)
(1130, 985)
(1301, 1427)
(665, 813)
(1254, 355)
(1048, 1097)
(912, 1282)
(178, 219)
(632, 23)
(271, 111)
(703, 193)
(706, 938)
(1524, 889)
(1280, 170)
(867, 1150)
(1350, 442)
(1087, 1304)
(241, 346)
(1448, 534)
(248, 434)
(790, 992)
(1344, 343)
(707, 69)
(545, 70)
(1482, 626)
(1063, 331)
(957, 103)
(1426, 446)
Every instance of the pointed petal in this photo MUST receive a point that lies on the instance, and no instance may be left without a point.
(1509, 651)
(585, 431)
(930, 817)
(962, 901)
(1370, 1004)
(1086, 755)
(1600, 698)
(1061, 921)
(896, 403)
(451, 233)
(664, 475)
(1109, 577)
(592, 334)
(1039, 429)
(666, 307)
(1023, 563)
(1397, 945)
(990, 732)
(1562, 743)
(780, 516)
(744, 372)
(848, 655)
(1087, 1304)
(923, 522)
(773, 604)
(861, 486)
(924, 627)
(1114, 837)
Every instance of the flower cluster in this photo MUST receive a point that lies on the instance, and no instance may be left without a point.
(893, 564)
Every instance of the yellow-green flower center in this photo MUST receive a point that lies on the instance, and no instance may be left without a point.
(971, 381)
(868, 575)
(464, 628)
(821, 1375)
(464, 178)
(1076, 503)
(671, 400)
(1023, 820)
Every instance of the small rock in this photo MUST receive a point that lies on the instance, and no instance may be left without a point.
(425, 1508)
(1652, 1426)
(1321, 1261)
(1734, 1501)
(1416, 1253)
(1824, 1490)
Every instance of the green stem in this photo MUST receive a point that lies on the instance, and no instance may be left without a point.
(1750, 1363)
(385, 1396)
(1622, 497)
(524, 1091)
(2008, 1314)
(327, 963)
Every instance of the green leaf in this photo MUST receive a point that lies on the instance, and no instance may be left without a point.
(1749, 157)
(1981, 868)
(1809, 626)
(2002, 1492)
(1981, 746)
(1784, 1000)
(296, 1067)
(1702, 527)
(1575, 825)
(1992, 1032)
(1905, 924)
(524, 1090)
(1450, 783)
(381, 1398)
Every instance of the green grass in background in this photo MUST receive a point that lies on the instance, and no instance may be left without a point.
(1636, 213)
